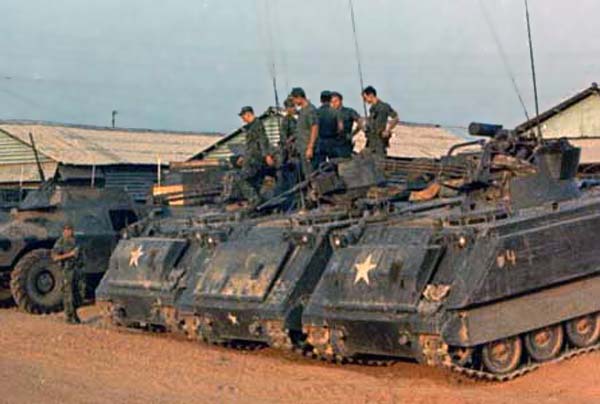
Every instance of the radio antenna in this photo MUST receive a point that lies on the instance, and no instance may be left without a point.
(533, 75)
(504, 57)
(271, 52)
(357, 52)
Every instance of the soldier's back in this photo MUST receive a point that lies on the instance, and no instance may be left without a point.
(328, 122)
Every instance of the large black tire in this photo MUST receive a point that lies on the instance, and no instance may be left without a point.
(36, 283)
(6, 299)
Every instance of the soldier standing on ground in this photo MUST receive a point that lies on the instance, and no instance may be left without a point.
(330, 129)
(307, 131)
(255, 160)
(66, 253)
(380, 123)
(349, 116)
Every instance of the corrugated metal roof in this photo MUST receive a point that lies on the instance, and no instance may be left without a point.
(14, 151)
(25, 173)
(87, 145)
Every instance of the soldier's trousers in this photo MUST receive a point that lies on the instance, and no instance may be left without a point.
(248, 184)
(70, 287)
(377, 145)
(288, 175)
(335, 148)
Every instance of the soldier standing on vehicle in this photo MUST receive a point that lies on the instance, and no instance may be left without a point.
(255, 160)
(380, 123)
(66, 253)
(289, 162)
(307, 131)
(344, 144)
(330, 129)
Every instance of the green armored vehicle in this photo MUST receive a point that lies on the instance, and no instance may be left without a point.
(27, 275)
(491, 288)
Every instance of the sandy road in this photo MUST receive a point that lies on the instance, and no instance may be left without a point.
(43, 360)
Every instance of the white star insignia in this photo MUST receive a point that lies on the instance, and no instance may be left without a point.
(363, 269)
(232, 319)
(134, 256)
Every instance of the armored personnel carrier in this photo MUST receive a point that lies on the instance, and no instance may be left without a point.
(200, 271)
(148, 271)
(27, 275)
(491, 288)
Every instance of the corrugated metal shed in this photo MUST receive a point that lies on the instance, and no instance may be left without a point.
(89, 145)
(576, 118)
(567, 103)
(13, 151)
(25, 173)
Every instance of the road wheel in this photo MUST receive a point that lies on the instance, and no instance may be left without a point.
(36, 283)
(461, 356)
(583, 331)
(545, 343)
(502, 356)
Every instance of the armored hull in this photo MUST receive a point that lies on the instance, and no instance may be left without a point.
(256, 284)
(169, 265)
(492, 288)
(150, 269)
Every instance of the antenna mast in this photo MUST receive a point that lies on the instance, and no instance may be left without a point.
(535, 88)
(357, 50)
(504, 57)
(272, 66)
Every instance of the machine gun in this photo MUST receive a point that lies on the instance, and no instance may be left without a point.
(521, 168)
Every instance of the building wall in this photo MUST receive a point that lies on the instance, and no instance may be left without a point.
(580, 120)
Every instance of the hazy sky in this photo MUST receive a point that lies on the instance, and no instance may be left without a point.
(191, 65)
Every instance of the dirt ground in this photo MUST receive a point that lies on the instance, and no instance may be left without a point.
(43, 360)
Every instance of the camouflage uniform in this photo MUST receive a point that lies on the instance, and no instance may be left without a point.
(289, 160)
(307, 117)
(329, 136)
(344, 145)
(70, 266)
(287, 135)
(252, 173)
(376, 124)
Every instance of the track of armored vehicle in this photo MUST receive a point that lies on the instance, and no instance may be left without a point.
(492, 288)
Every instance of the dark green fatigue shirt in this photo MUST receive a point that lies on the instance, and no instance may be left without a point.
(349, 116)
(378, 117)
(257, 145)
(63, 246)
(329, 120)
(307, 117)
